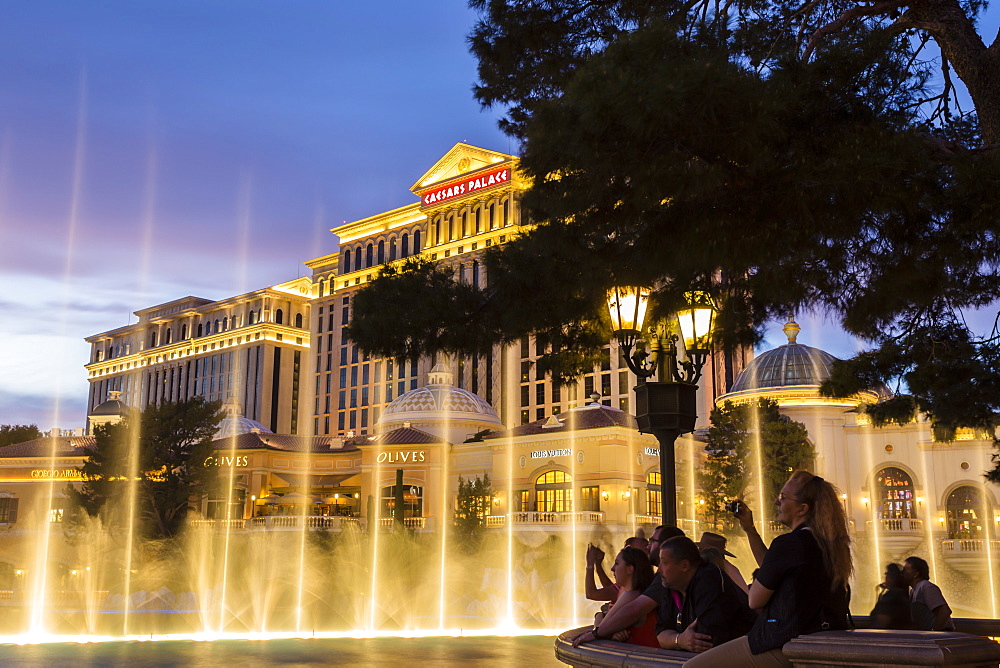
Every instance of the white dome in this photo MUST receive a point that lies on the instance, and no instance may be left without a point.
(439, 404)
(235, 423)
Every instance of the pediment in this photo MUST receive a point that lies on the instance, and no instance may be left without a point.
(461, 159)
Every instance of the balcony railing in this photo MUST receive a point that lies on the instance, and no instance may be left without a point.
(647, 519)
(897, 525)
(540, 517)
(280, 522)
(408, 522)
(969, 546)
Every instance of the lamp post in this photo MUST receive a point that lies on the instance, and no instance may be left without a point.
(667, 406)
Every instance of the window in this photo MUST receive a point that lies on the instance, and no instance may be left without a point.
(298, 320)
(967, 510)
(895, 497)
(522, 500)
(413, 501)
(279, 317)
(654, 494)
(381, 252)
(590, 498)
(554, 492)
(416, 241)
(8, 510)
(405, 245)
(347, 262)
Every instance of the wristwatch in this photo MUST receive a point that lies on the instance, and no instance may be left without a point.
(594, 631)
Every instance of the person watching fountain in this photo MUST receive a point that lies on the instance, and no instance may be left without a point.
(696, 604)
(892, 609)
(633, 575)
(713, 549)
(660, 534)
(608, 591)
(802, 584)
(928, 609)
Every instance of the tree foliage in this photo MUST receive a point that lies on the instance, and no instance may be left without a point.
(472, 507)
(736, 431)
(784, 155)
(164, 450)
(18, 433)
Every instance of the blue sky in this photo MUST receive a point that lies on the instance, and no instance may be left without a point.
(152, 150)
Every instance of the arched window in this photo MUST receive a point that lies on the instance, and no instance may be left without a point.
(654, 494)
(357, 258)
(279, 317)
(392, 249)
(369, 256)
(170, 336)
(894, 494)
(416, 242)
(506, 212)
(967, 513)
(451, 227)
(347, 262)
(492, 216)
(413, 501)
(381, 251)
(554, 492)
(465, 226)
(298, 320)
(201, 330)
(152, 339)
(437, 230)
(404, 245)
(184, 331)
(479, 222)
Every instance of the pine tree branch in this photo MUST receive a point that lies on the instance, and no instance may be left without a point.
(879, 8)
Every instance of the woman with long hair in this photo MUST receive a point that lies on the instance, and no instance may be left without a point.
(633, 574)
(802, 584)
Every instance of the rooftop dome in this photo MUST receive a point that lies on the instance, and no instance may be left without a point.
(235, 423)
(788, 365)
(114, 406)
(439, 400)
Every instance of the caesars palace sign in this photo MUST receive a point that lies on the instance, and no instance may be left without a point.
(470, 185)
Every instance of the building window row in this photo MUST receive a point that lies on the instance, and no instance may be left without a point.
(374, 253)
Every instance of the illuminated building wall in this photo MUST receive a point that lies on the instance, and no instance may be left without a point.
(251, 348)
(468, 201)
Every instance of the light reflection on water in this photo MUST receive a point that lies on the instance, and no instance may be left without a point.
(432, 651)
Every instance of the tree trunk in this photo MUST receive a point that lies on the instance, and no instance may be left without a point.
(976, 65)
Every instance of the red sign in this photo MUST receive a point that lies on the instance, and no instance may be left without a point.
(469, 185)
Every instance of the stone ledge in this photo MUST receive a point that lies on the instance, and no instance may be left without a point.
(829, 649)
(876, 647)
(601, 653)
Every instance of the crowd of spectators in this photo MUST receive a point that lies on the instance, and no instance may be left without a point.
(697, 600)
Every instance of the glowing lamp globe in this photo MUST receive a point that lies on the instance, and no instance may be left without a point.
(627, 307)
(696, 321)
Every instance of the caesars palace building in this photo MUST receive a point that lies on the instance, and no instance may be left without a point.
(311, 419)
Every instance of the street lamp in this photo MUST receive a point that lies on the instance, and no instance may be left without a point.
(667, 406)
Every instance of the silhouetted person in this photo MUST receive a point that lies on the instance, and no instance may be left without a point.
(892, 610)
(928, 609)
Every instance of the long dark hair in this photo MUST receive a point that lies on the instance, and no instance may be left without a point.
(642, 573)
(828, 523)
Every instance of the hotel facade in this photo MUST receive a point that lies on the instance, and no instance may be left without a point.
(316, 431)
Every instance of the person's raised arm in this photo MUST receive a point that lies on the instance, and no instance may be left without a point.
(745, 516)
(594, 593)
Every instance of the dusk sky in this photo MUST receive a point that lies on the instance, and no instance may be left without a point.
(154, 150)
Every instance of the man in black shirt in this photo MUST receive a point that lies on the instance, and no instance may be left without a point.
(697, 605)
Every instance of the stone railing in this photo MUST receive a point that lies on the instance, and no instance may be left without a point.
(280, 523)
(580, 517)
(408, 522)
(828, 649)
(969, 545)
(897, 525)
